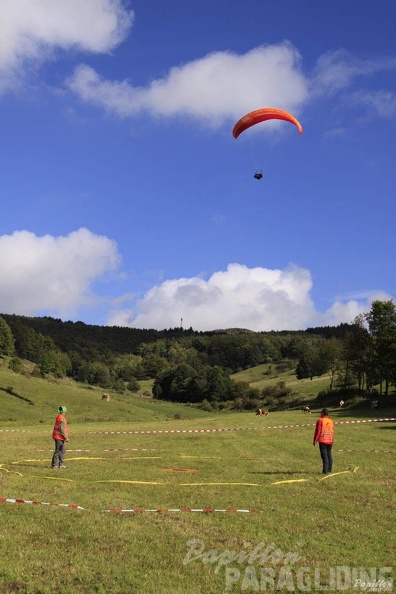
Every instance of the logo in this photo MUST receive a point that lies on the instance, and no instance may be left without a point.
(267, 568)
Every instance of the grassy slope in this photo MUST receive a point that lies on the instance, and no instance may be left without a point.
(304, 390)
(47, 550)
(35, 400)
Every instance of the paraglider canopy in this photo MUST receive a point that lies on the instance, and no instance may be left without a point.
(261, 115)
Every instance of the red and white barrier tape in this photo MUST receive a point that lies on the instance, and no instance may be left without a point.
(182, 509)
(27, 501)
(154, 431)
(51, 450)
(371, 451)
(130, 450)
(159, 431)
(108, 450)
(335, 422)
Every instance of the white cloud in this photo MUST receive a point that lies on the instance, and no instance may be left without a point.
(56, 276)
(382, 103)
(337, 69)
(214, 88)
(52, 274)
(30, 30)
(223, 86)
(259, 299)
(347, 311)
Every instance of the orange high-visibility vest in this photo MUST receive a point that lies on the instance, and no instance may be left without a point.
(56, 434)
(326, 434)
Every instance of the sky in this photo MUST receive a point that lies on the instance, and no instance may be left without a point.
(126, 201)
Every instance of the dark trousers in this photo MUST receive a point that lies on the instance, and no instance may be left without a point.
(59, 453)
(327, 458)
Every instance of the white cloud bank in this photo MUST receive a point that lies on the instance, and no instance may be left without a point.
(57, 276)
(31, 30)
(212, 89)
(215, 88)
(52, 274)
(258, 299)
(224, 85)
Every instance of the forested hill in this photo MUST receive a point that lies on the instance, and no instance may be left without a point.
(192, 366)
(88, 340)
(91, 340)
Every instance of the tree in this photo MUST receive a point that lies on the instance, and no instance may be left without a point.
(356, 345)
(99, 375)
(218, 383)
(311, 363)
(7, 346)
(54, 363)
(382, 328)
(331, 358)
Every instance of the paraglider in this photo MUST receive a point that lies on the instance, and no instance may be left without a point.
(261, 115)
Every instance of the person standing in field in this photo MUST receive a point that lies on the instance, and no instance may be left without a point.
(324, 435)
(60, 435)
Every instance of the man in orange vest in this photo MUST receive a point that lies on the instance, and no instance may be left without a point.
(324, 435)
(60, 435)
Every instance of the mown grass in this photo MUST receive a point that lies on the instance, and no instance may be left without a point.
(345, 520)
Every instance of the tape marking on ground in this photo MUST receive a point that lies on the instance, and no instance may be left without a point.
(182, 510)
(130, 482)
(354, 469)
(218, 484)
(50, 478)
(27, 501)
(290, 481)
(142, 458)
(334, 474)
(11, 471)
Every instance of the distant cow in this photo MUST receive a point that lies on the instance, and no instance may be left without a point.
(262, 411)
(306, 409)
(106, 397)
(342, 402)
(375, 404)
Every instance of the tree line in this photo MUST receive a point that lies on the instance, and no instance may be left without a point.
(196, 367)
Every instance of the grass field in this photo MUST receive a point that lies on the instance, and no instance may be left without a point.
(139, 454)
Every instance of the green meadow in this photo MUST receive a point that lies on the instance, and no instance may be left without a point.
(304, 532)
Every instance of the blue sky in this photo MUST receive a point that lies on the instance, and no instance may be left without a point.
(125, 200)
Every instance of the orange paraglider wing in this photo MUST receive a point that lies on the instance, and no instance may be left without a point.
(261, 115)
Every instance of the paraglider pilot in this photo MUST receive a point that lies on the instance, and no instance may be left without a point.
(258, 175)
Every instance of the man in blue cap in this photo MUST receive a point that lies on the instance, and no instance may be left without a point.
(60, 435)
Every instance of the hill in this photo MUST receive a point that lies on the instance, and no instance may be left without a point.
(27, 400)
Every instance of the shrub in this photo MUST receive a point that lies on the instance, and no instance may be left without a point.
(15, 364)
(133, 385)
(252, 404)
(206, 405)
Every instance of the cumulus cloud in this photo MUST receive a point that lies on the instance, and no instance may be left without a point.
(30, 30)
(258, 299)
(56, 276)
(213, 89)
(52, 274)
(347, 310)
(223, 85)
(218, 86)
